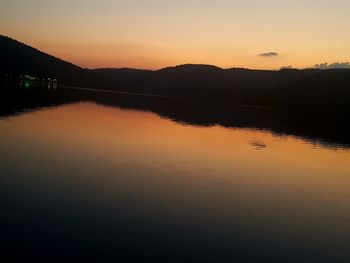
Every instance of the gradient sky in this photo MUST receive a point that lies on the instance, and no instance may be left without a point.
(156, 33)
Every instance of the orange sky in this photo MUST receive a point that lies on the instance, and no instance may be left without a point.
(158, 33)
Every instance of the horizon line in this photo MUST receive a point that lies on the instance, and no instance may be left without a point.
(289, 67)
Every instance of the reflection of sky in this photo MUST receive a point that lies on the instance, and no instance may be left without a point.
(157, 33)
(146, 138)
(99, 164)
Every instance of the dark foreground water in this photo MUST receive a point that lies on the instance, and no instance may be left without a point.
(84, 182)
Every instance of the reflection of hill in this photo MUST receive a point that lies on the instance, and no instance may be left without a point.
(188, 112)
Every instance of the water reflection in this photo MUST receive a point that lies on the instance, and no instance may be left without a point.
(334, 134)
(93, 182)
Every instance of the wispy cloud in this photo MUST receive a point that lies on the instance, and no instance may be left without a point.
(287, 67)
(268, 54)
(333, 65)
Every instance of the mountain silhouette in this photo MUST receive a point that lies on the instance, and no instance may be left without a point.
(308, 89)
(17, 57)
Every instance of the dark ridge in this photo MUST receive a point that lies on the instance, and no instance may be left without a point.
(313, 91)
(192, 67)
(17, 57)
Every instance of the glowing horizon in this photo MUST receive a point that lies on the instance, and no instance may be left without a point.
(154, 34)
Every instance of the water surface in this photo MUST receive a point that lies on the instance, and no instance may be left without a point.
(89, 182)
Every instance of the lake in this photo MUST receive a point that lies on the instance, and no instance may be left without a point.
(84, 181)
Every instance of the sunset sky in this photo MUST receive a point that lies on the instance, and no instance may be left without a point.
(264, 34)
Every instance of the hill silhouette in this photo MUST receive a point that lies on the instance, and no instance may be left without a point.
(17, 57)
(311, 89)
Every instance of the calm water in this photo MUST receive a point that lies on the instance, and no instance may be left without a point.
(91, 182)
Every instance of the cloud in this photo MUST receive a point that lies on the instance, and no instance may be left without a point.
(333, 65)
(286, 67)
(268, 54)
